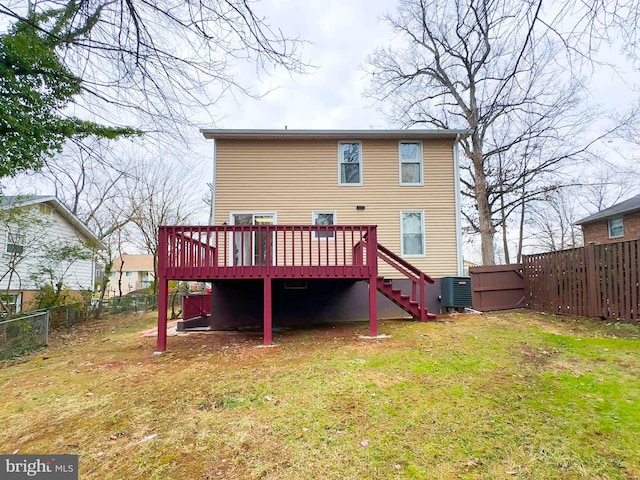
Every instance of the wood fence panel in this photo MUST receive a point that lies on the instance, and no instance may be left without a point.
(592, 281)
(557, 282)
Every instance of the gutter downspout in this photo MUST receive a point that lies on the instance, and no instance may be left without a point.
(212, 186)
(458, 203)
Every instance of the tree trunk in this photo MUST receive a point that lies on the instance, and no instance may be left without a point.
(487, 230)
(521, 229)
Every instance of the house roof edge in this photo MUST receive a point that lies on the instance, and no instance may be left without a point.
(17, 201)
(627, 206)
(272, 134)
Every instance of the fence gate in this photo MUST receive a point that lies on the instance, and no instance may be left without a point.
(497, 287)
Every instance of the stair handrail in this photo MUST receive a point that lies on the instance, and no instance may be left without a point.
(401, 261)
(399, 268)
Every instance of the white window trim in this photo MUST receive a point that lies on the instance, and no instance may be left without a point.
(16, 301)
(424, 242)
(8, 241)
(253, 212)
(248, 212)
(314, 235)
(421, 158)
(340, 164)
(46, 209)
(609, 227)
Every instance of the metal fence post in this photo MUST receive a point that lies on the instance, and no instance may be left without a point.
(46, 328)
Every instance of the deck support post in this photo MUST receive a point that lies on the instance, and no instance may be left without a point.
(372, 263)
(163, 292)
(373, 308)
(267, 311)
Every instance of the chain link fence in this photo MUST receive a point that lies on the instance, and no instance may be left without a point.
(19, 335)
(128, 304)
(31, 330)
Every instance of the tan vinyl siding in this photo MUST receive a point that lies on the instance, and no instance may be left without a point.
(292, 178)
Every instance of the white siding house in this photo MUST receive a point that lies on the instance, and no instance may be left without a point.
(30, 227)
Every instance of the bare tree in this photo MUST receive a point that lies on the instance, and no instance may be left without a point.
(607, 186)
(490, 67)
(160, 64)
(52, 270)
(91, 180)
(552, 222)
(164, 194)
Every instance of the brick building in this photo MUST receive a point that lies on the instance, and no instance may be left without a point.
(617, 223)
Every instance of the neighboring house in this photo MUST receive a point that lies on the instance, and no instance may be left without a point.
(135, 272)
(306, 220)
(29, 227)
(467, 265)
(617, 223)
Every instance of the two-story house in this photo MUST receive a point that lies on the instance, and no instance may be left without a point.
(322, 225)
(618, 223)
(130, 273)
(33, 233)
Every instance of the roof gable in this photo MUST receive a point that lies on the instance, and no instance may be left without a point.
(18, 201)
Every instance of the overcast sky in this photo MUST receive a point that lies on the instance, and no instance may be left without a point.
(340, 35)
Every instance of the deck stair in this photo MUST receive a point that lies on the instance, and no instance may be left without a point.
(413, 303)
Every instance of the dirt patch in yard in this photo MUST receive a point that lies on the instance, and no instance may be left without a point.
(537, 356)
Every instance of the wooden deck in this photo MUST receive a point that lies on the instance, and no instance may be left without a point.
(268, 252)
(261, 251)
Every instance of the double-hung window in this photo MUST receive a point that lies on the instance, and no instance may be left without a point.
(14, 243)
(616, 227)
(410, 158)
(350, 163)
(12, 302)
(412, 233)
(323, 218)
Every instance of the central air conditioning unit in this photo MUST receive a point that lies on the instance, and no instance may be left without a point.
(456, 292)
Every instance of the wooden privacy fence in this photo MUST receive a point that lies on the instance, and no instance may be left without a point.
(592, 281)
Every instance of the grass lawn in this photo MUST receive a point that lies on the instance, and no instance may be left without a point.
(509, 395)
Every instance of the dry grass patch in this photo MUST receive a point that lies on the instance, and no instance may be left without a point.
(512, 395)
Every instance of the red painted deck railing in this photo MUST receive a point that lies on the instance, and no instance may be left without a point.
(256, 251)
(196, 305)
(418, 277)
